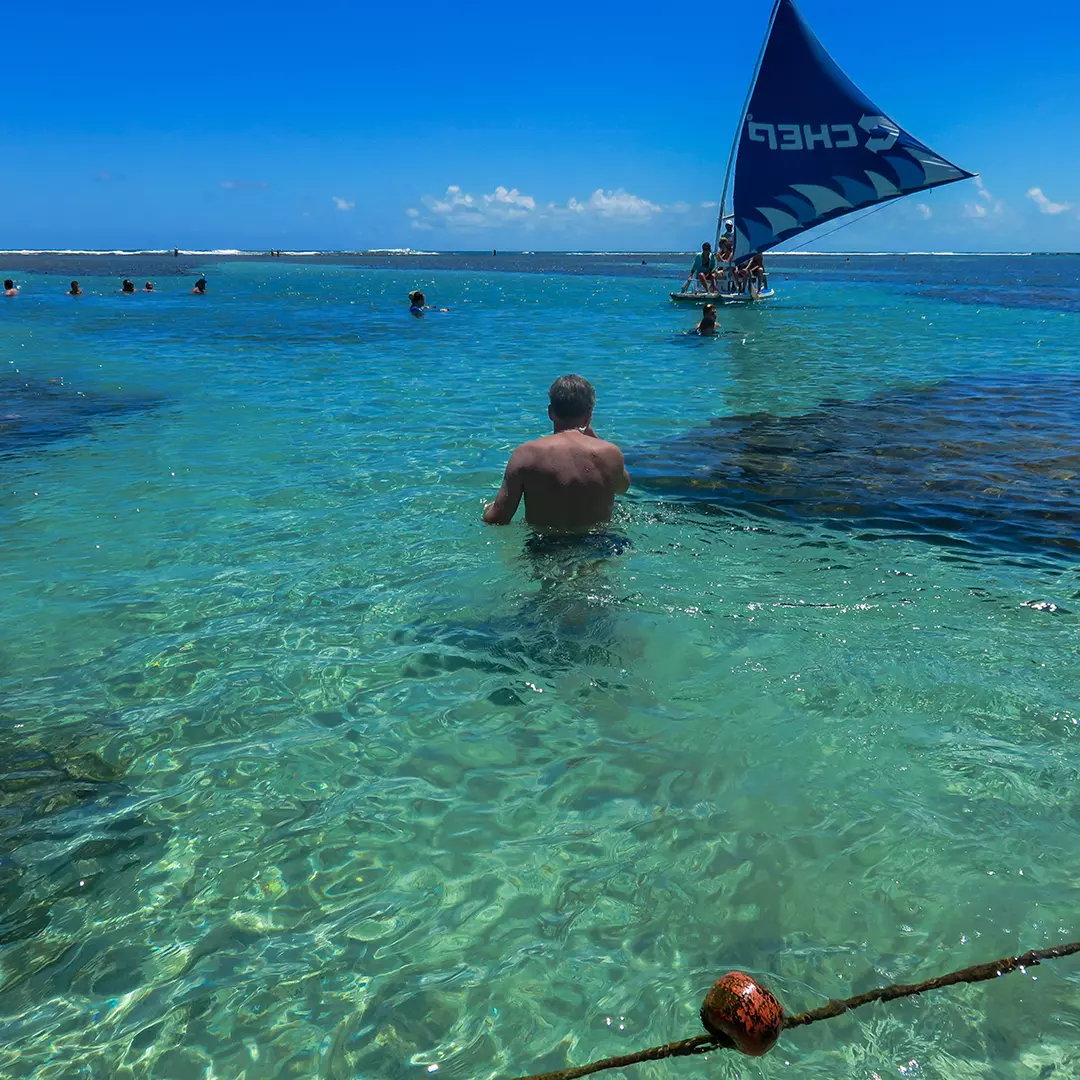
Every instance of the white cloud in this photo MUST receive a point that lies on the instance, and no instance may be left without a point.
(510, 200)
(615, 204)
(458, 209)
(924, 211)
(342, 204)
(1045, 205)
(988, 208)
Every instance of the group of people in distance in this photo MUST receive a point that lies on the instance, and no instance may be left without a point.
(568, 479)
(417, 301)
(126, 286)
(749, 276)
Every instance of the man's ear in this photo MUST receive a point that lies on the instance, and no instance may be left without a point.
(551, 413)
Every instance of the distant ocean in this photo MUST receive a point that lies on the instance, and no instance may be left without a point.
(305, 772)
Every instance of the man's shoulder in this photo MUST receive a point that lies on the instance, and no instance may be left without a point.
(533, 444)
(539, 448)
(609, 448)
(527, 452)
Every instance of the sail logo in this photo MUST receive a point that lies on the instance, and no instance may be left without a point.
(882, 131)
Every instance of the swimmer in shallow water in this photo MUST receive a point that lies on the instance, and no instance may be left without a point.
(127, 286)
(200, 287)
(148, 287)
(707, 326)
(569, 478)
(75, 289)
(418, 305)
(9, 288)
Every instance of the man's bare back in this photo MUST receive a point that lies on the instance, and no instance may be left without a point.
(570, 478)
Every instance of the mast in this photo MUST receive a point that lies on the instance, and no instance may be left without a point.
(742, 121)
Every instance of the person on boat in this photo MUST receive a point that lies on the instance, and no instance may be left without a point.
(749, 276)
(9, 288)
(418, 305)
(704, 269)
(75, 290)
(200, 287)
(755, 273)
(725, 246)
(707, 326)
(569, 478)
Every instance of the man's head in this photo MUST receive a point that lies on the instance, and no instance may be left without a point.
(9, 284)
(728, 228)
(572, 401)
(706, 247)
(417, 298)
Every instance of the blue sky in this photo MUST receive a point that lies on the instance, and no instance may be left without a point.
(561, 126)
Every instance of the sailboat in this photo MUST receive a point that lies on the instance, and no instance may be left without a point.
(810, 147)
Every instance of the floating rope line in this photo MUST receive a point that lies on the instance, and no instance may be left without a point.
(740, 1014)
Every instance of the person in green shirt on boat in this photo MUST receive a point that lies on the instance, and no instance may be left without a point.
(704, 269)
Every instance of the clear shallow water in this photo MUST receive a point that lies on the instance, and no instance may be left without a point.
(306, 773)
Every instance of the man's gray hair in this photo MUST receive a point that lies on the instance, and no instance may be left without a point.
(572, 397)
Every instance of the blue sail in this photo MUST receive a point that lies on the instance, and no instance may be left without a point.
(814, 147)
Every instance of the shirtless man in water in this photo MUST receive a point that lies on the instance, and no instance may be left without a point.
(569, 478)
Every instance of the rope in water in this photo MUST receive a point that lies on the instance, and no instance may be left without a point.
(704, 1044)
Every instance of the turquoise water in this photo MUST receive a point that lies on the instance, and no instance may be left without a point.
(307, 773)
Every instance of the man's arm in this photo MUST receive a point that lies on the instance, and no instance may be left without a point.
(622, 477)
(502, 510)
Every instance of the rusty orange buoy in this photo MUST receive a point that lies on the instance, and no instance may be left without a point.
(742, 1010)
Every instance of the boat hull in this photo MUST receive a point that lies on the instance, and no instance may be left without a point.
(719, 298)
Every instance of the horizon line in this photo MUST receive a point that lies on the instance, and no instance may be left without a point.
(407, 252)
